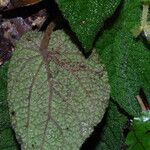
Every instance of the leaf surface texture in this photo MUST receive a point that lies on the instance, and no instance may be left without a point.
(127, 59)
(58, 96)
(7, 139)
(86, 17)
(111, 135)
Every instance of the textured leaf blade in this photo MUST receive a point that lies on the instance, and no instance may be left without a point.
(86, 17)
(7, 140)
(127, 60)
(58, 96)
(112, 133)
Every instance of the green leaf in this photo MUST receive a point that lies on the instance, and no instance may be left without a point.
(127, 59)
(58, 96)
(146, 1)
(7, 140)
(86, 17)
(139, 135)
(112, 133)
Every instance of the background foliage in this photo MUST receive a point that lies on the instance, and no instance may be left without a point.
(7, 139)
(127, 59)
(107, 25)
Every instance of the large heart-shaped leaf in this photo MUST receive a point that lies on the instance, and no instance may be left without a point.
(56, 96)
(86, 17)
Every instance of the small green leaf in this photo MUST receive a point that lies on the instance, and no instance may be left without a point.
(139, 135)
(127, 59)
(112, 133)
(7, 140)
(86, 17)
(58, 96)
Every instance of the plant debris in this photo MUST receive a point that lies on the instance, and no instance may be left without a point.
(12, 29)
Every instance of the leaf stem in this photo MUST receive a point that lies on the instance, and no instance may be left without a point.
(46, 36)
(141, 103)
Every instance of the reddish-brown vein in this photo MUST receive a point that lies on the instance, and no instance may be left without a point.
(44, 52)
(29, 97)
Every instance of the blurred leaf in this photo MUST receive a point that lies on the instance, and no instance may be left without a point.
(127, 59)
(57, 95)
(139, 135)
(86, 17)
(146, 1)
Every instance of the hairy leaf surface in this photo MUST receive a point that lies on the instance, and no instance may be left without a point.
(7, 140)
(112, 133)
(86, 17)
(58, 96)
(127, 59)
